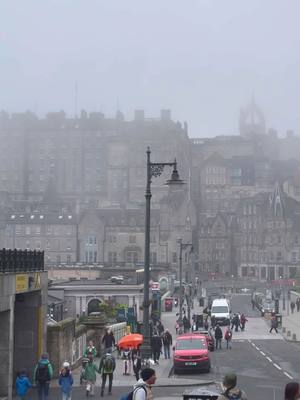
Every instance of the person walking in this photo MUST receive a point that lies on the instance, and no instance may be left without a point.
(228, 337)
(42, 375)
(108, 341)
(243, 321)
(89, 375)
(65, 381)
(292, 391)
(230, 390)
(156, 346)
(293, 305)
(106, 369)
(274, 323)
(298, 304)
(143, 388)
(167, 342)
(22, 384)
(136, 365)
(90, 349)
(186, 324)
(218, 337)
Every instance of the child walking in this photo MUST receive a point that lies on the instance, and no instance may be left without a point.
(22, 384)
(66, 381)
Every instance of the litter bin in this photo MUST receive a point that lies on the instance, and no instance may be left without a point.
(279, 320)
(201, 394)
(201, 302)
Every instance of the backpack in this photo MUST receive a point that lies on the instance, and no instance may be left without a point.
(129, 396)
(42, 373)
(234, 396)
(228, 335)
(108, 365)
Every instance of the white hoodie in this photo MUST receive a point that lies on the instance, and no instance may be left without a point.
(140, 393)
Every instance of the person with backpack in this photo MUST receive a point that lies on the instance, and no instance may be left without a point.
(156, 346)
(65, 381)
(228, 337)
(167, 342)
(218, 336)
(42, 375)
(22, 384)
(143, 388)
(89, 375)
(106, 369)
(230, 390)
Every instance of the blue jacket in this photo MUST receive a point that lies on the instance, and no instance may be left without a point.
(66, 382)
(22, 385)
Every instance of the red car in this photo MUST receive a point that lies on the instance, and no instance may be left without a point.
(191, 352)
(209, 338)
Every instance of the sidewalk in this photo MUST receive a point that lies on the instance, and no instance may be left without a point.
(290, 322)
(162, 370)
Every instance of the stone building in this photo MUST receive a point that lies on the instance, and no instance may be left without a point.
(54, 233)
(269, 236)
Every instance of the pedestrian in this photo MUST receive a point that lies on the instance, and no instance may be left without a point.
(206, 325)
(167, 342)
(218, 336)
(235, 322)
(298, 304)
(143, 388)
(274, 323)
(228, 337)
(136, 365)
(293, 305)
(292, 391)
(109, 341)
(160, 328)
(253, 303)
(230, 390)
(22, 384)
(89, 375)
(213, 321)
(42, 375)
(66, 381)
(90, 349)
(106, 369)
(127, 356)
(186, 324)
(243, 321)
(156, 346)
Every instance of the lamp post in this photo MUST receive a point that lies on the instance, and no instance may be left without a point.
(153, 170)
(181, 247)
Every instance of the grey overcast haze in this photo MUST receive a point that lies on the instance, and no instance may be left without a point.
(202, 59)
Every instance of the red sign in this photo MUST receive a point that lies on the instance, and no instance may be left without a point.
(283, 282)
(154, 285)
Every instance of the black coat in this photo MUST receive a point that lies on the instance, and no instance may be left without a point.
(156, 343)
(218, 333)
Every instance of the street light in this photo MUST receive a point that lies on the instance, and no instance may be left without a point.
(181, 247)
(153, 171)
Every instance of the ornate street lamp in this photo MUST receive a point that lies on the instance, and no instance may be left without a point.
(153, 170)
(182, 246)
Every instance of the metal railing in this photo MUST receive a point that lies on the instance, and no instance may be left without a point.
(21, 260)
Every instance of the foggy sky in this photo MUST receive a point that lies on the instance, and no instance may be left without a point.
(203, 59)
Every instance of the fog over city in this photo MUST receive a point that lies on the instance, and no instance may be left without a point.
(201, 59)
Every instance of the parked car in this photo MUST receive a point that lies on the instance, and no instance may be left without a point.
(117, 279)
(191, 353)
(209, 338)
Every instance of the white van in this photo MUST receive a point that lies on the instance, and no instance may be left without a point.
(220, 309)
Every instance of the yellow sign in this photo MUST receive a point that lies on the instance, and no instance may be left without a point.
(21, 283)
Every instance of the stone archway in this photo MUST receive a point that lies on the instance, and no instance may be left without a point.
(93, 305)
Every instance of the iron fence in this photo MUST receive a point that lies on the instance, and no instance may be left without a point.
(21, 260)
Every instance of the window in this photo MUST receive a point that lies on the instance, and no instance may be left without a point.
(153, 257)
(95, 256)
(174, 257)
(38, 245)
(112, 239)
(38, 230)
(152, 237)
(279, 256)
(68, 259)
(294, 256)
(18, 229)
(132, 239)
(48, 245)
(49, 230)
(58, 259)
(112, 256)
(27, 230)
(131, 257)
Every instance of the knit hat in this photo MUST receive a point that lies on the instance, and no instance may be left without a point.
(230, 380)
(66, 364)
(147, 373)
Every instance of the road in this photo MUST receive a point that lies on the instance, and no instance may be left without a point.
(264, 362)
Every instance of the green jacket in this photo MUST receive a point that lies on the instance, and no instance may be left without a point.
(50, 369)
(90, 350)
(90, 372)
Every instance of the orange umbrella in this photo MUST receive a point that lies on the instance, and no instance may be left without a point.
(131, 341)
